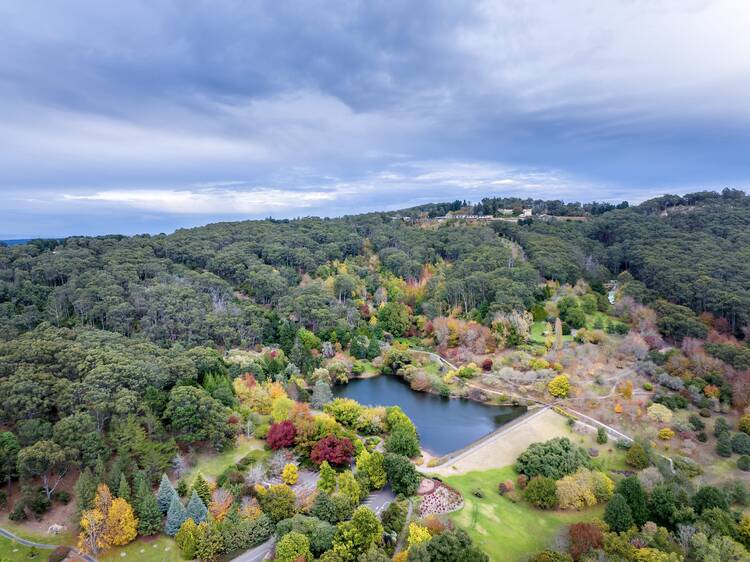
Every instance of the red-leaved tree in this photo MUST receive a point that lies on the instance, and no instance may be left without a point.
(584, 537)
(332, 449)
(281, 435)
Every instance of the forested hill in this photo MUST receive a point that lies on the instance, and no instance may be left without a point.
(246, 282)
(692, 250)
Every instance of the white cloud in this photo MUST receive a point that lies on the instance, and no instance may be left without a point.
(212, 201)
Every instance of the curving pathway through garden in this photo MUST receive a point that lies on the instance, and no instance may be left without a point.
(9, 535)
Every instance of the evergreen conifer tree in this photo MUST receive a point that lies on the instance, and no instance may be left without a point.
(165, 494)
(201, 487)
(196, 509)
(176, 516)
(149, 515)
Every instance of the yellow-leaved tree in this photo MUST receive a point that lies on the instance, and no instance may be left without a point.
(122, 524)
(94, 537)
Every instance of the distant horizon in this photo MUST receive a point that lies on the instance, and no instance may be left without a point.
(13, 240)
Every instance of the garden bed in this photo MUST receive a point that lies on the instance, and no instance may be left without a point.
(440, 498)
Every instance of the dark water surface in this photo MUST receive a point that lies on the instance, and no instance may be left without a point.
(444, 424)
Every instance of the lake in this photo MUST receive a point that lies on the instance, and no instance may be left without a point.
(444, 424)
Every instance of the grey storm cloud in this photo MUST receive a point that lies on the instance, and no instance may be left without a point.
(147, 115)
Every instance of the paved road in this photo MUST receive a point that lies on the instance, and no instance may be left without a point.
(258, 553)
(379, 499)
(8, 535)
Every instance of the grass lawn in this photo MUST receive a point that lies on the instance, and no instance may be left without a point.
(537, 333)
(508, 531)
(13, 552)
(162, 549)
(212, 464)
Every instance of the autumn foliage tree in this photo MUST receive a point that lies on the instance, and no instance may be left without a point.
(332, 449)
(281, 435)
(584, 537)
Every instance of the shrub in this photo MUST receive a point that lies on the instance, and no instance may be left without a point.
(648, 386)
(559, 387)
(720, 426)
(552, 556)
(659, 413)
(696, 422)
(702, 437)
(293, 547)
(601, 436)
(584, 537)
(724, 445)
(744, 425)
(637, 457)
(709, 497)
(541, 491)
(487, 364)
(743, 463)
(665, 434)
(281, 434)
(290, 474)
(554, 458)
(741, 443)
(582, 489)
(505, 487)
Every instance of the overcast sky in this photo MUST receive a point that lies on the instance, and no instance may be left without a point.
(144, 116)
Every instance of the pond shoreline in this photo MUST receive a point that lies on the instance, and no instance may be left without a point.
(444, 424)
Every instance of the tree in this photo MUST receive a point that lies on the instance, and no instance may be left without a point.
(293, 547)
(319, 533)
(418, 534)
(324, 508)
(278, 502)
(9, 448)
(617, 514)
(394, 516)
(708, 497)
(662, 504)
(94, 537)
(332, 449)
(196, 416)
(176, 516)
(554, 458)
(372, 465)
(357, 536)
(327, 480)
(185, 539)
(121, 523)
(123, 490)
(281, 434)
(637, 457)
(196, 509)
(630, 488)
(393, 317)
(348, 486)
(85, 491)
(149, 514)
(165, 493)
(402, 476)
(321, 395)
(403, 441)
(201, 487)
(290, 474)
(541, 491)
(209, 542)
(449, 546)
(44, 459)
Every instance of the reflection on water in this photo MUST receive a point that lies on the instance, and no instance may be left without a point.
(444, 424)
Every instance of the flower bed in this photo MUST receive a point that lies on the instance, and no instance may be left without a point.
(442, 499)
